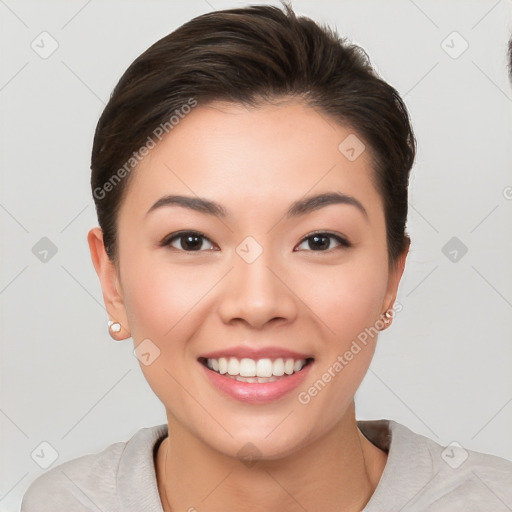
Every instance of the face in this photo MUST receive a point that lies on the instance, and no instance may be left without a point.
(266, 280)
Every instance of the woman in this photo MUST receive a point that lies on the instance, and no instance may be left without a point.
(250, 174)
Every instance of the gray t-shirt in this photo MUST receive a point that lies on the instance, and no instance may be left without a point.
(420, 475)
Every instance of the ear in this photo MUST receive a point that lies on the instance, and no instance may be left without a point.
(395, 275)
(110, 283)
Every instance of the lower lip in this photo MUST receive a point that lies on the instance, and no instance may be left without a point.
(255, 392)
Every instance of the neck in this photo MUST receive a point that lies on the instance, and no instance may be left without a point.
(339, 471)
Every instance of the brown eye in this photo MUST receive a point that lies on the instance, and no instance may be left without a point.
(321, 242)
(189, 241)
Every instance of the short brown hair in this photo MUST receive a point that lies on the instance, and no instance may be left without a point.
(251, 55)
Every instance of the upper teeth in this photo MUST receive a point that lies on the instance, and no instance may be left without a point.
(255, 368)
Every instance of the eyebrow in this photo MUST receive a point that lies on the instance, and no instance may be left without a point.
(298, 208)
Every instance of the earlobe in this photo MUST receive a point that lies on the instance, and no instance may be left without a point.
(108, 276)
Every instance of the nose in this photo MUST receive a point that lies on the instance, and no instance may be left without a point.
(258, 293)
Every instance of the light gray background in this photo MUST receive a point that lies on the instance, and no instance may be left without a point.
(443, 369)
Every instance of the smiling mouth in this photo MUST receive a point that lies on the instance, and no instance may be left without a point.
(255, 370)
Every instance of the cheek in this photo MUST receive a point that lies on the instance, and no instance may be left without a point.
(165, 303)
(362, 291)
(158, 295)
(346, 298)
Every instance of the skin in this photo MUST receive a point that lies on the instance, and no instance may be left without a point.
(255, 162)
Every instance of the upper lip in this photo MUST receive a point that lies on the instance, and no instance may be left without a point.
(241, 352)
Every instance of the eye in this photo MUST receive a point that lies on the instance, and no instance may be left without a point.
(189, 241)
(321, 241)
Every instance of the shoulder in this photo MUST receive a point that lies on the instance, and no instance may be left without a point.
(460, 476)
(423, 475)
(89, 482)
(73, 485)
(481, 480)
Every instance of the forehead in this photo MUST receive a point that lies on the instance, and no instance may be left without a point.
(236, 153)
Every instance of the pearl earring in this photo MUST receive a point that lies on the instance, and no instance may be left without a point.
(387, 319)
(114, 326)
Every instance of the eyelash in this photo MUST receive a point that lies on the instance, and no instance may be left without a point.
(344, 243)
